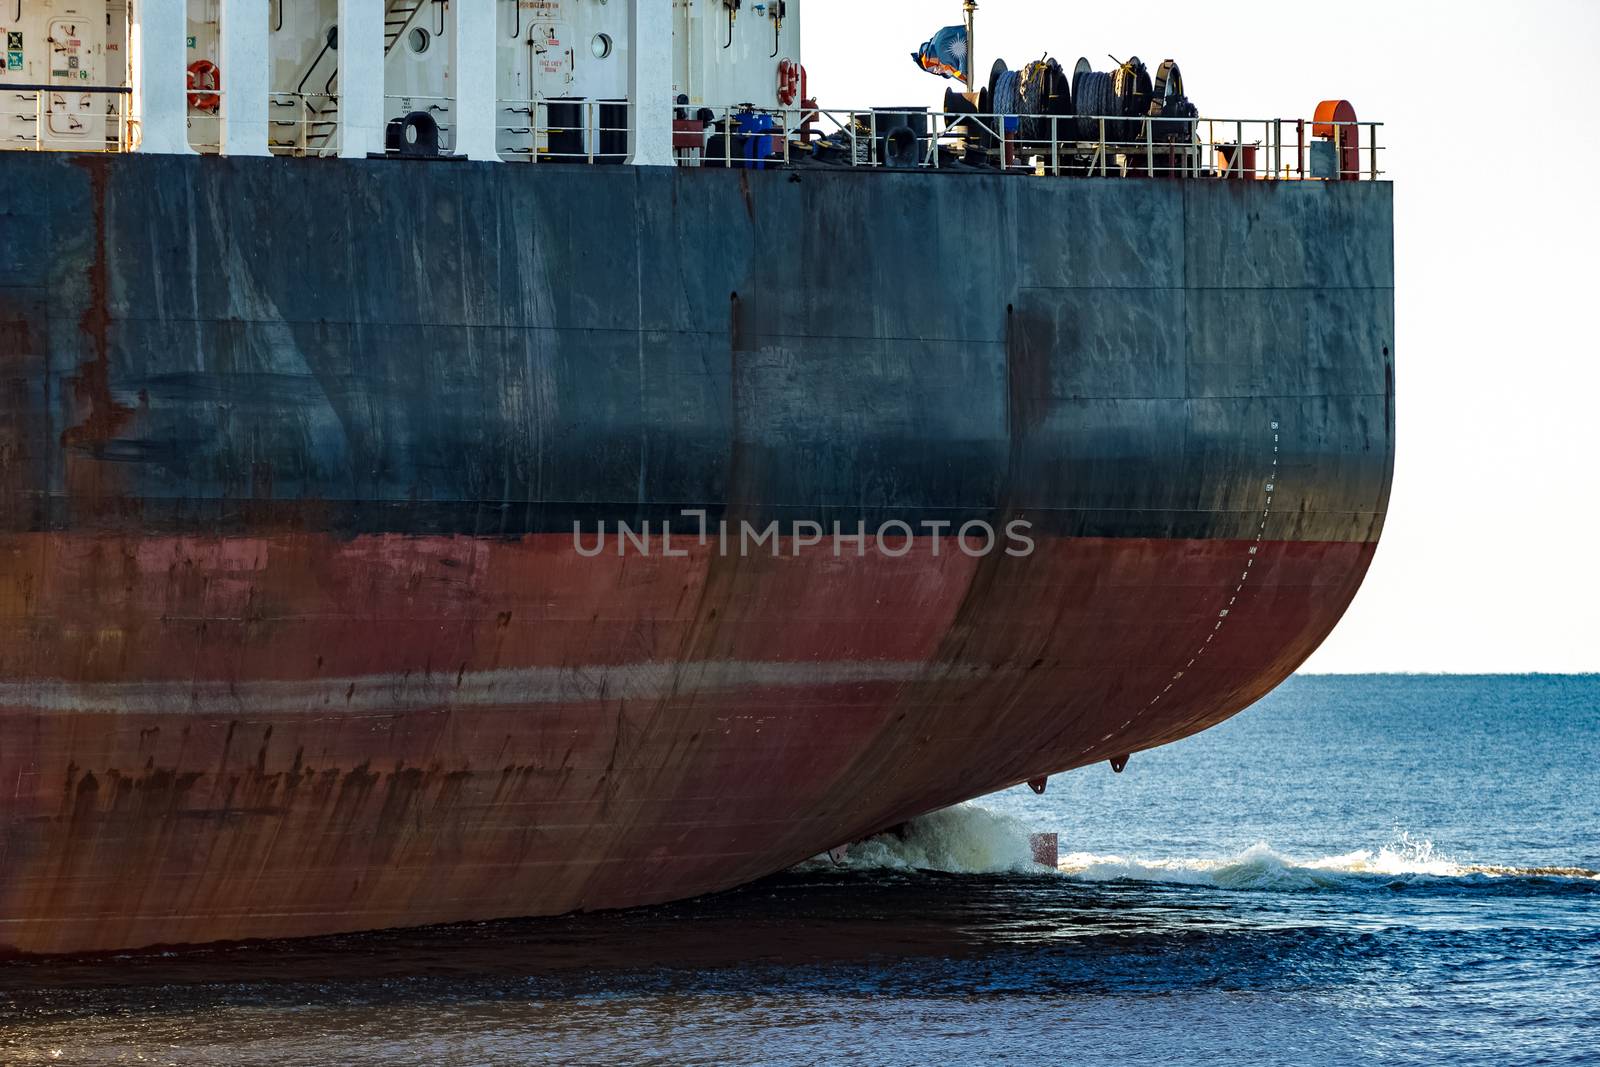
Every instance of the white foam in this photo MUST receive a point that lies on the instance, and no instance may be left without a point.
(1406, 859)
(972, 839)
(965, 839)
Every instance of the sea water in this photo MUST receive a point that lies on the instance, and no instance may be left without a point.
(1361, 869)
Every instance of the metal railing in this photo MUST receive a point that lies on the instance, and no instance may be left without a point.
(76, 118)
(100, 119)
(1100, 146)
(303, 124)
(205, 126)
(307, 124)
(563, 131)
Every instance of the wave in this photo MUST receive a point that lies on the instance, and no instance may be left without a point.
(965, 839)
(1261, 867)
(971, 839)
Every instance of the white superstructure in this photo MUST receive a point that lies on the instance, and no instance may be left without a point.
(511, 79)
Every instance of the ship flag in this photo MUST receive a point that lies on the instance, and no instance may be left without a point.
(945, 54)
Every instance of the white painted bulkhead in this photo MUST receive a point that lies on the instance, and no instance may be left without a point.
(60, 44)
(574, 54)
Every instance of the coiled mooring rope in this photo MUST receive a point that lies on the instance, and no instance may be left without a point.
(1008, 93)
(1094, 96)
(1132, 84)
(1041, 81)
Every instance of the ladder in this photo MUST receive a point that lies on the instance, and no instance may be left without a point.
(397, 19)
(320, 125)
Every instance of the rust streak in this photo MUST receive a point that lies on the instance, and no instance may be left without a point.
(749, 197)
(92, 385)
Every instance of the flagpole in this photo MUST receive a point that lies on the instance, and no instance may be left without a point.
(971, 8)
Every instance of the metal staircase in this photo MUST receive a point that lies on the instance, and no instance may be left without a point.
(321, 124)
(315, 131)
(397, 19)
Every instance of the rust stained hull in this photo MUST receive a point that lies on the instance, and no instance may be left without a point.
(294, 638)
(344, 758)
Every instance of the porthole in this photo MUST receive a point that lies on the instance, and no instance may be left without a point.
(418, 40)
(600, 47)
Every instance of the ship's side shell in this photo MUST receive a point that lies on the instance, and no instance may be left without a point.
(294, 633)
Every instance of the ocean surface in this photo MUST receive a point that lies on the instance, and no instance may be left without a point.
(1357, 870)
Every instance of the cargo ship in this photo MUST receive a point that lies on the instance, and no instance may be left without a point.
(500, 459)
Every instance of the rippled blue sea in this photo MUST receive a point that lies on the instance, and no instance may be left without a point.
(1357, 870)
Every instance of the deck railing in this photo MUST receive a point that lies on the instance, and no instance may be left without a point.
(303, 124)
(99, 119)
(1100, 145)
(563, 131)
(68, 118)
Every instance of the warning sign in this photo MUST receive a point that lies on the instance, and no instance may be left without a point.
(13, 40)
(13, 60)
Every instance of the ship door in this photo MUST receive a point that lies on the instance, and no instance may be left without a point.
(76, 119)
(554, 64)
(560, 116)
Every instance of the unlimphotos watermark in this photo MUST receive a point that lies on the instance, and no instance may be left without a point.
(894, 539)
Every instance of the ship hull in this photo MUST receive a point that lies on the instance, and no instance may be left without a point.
(309, 617)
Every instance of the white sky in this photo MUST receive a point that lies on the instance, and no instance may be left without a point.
(1490, 560)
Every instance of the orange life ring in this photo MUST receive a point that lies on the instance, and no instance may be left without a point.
(204, 75)
(788, 81)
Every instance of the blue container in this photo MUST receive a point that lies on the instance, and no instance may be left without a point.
(755, 141)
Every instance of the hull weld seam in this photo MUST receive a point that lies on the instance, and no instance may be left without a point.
(1223, 614)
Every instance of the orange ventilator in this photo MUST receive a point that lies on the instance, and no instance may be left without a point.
(204, 75)
(1335, 122)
